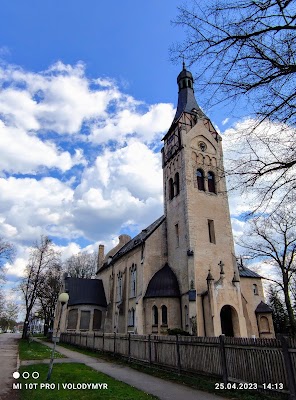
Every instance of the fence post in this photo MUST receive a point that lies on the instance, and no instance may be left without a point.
(80, 340)
(178, 354)
(114, 343)
(223, 358)
(86, 340)
(94, 339)
(289, 368)
(149, 349)
(129, 347)
(103, 341)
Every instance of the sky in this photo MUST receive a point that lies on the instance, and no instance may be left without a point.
(87, 92)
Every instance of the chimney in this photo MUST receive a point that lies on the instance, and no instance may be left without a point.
(100, 256)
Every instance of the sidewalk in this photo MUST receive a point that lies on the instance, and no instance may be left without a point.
(161, 388)
(8, 364)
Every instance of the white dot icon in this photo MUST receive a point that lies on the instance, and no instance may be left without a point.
(16, 375)
(25, 375)
(35, 375)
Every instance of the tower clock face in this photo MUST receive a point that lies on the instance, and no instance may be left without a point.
(171, 145)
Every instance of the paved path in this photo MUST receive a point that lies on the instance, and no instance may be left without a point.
(8, 364)
(164, 390)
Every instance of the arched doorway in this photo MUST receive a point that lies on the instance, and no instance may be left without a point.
(229, 321)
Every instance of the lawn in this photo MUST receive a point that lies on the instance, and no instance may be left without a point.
(35, 351)
(75, 373)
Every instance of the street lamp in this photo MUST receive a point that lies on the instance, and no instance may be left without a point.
(63, 298)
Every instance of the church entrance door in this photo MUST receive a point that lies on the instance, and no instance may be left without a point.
(226, 316)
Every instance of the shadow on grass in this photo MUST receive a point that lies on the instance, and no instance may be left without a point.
(76, 382)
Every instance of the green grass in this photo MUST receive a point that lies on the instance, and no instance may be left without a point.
(35, 351)
(200, 382)
(76, 373)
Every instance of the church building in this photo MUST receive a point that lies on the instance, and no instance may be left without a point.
(180, 272)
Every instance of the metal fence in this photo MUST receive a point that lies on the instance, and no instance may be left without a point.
(268, 363)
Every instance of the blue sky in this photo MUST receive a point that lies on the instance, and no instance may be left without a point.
(87, 92)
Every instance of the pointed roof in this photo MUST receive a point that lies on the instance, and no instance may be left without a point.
(263, 308)
(186, 98)
(164, 283)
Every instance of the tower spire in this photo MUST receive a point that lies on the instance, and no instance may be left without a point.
(186, 98)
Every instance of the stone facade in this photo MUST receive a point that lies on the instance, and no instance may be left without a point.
(182, 272)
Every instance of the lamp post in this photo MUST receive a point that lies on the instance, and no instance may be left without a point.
(63, 298)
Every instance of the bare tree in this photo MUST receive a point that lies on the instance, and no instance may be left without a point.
(9, 315)
(7, 252)
(246, 48)
(43, 258)
(47, 294)
(81, 265)
(272, 240)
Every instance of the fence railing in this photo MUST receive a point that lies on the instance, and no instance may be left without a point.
(268, 363)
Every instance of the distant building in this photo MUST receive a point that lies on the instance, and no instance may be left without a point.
(181, 271)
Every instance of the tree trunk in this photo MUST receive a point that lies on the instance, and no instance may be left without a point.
(290, 312)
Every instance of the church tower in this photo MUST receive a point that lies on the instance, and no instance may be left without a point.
(199, 235)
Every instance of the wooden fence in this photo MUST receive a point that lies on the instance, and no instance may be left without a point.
(269, 363)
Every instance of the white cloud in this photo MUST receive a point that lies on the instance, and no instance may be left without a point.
(21, 152)
(127, 122)
(30, 206)
(123, 185)
(224, 122)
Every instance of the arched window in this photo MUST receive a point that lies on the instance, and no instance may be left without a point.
(119, 286)
(211, 182)
(255, 289)
(189, 83)
(133, 281)
(164, 315)
(264, 325)
(154, 315)
(177, 183)
(171, 189)
(186, 316)
(200, 179)
(131, 317)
